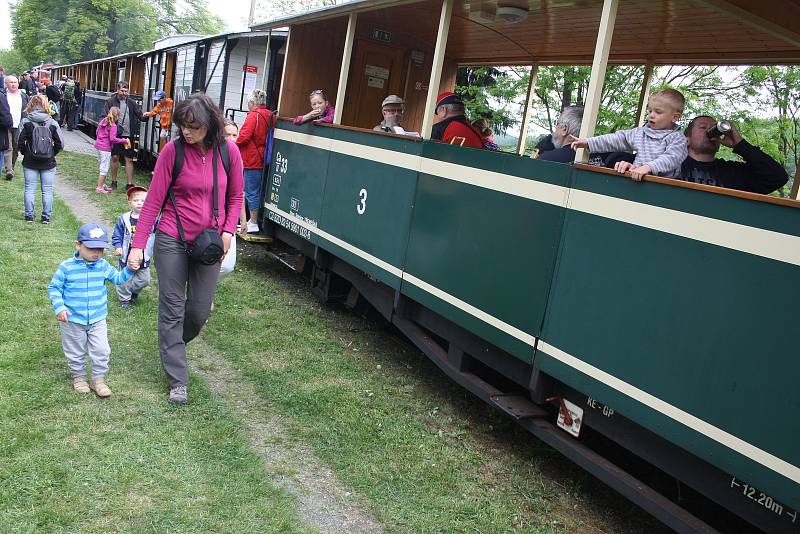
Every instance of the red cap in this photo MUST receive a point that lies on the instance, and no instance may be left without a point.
(134, 189)
(448, 98)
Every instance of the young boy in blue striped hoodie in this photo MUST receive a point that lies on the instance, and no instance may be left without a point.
(80, 301)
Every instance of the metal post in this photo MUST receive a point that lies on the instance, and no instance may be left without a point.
(643, 95)
(599, 63)
(526, 115)
(346, 55)
(436, 69)
(283, 75)
(265, 79)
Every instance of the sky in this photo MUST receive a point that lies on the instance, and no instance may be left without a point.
(233, 12)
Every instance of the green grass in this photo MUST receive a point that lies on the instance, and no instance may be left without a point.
(421, 453)
(132, 463)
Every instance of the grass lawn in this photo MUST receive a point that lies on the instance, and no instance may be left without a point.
(419, 453)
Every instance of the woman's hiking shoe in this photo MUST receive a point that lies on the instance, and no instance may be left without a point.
(80, 384)
(100, 388)
(9, 176)
(178, 395)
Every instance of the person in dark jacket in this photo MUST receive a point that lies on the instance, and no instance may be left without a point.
(27, 84)
(759, 173)
(34, 168)
(452, 125)
(16, 100)
(53, 94)
(568, 126)
(130, 115)
(6, 123)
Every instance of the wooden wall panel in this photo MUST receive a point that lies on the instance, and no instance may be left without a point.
(313, 62)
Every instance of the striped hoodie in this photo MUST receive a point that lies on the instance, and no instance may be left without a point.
(79, 286)
(663, 150)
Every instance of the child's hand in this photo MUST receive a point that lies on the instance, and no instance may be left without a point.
(62, 316)
(579, 142)
(135, 257)
(118, 252)
(639, 172)
(622, 166)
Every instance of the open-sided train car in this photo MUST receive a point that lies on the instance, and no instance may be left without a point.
(638, 328)
(98, 79)
(226, 67)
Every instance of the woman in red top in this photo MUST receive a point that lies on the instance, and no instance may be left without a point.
(185, 287)
(252, 143)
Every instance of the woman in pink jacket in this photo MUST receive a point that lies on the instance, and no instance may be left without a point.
(106, 135)
(186, 287)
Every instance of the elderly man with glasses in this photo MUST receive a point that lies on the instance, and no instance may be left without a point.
(392, 109)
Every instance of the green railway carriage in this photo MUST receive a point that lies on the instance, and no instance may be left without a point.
(623, 323)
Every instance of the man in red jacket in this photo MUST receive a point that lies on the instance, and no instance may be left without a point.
(452, 125)
(252, 143)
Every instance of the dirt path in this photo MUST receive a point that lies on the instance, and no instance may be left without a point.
(323, 501)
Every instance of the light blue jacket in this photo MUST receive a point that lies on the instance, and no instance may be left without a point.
(80, 287)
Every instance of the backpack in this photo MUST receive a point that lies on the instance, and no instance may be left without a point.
(69, 92)
(41, 144)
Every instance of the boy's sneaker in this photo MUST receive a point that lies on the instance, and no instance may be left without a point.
(102, 190)
(134, 297)
(9, 176)
(125, 304)
(178, 395)
(29, 218)
(100, 388)
(45, 220)
(80, 384)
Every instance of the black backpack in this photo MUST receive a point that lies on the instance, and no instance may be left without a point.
(41, 145)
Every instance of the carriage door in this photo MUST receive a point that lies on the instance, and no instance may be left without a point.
(376, 72)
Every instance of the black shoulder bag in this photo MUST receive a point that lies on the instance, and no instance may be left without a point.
(207, 248)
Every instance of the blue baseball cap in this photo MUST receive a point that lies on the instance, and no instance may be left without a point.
(159, 95)
(93, 235)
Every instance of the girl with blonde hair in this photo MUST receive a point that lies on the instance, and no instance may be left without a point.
(106, 135)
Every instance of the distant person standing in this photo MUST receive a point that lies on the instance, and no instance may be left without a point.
(252, 143)
(68, 107)
(130, 114)
(5, 125)
(27, 85)
(2, 76)
(39, 141)
(162, 110)
(54, 97)
(17, 101)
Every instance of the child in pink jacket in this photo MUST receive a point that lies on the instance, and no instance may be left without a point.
(106, 138)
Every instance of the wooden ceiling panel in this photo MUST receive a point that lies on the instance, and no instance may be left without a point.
(666, 31)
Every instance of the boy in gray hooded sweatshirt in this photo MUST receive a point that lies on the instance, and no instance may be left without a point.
(660, 146)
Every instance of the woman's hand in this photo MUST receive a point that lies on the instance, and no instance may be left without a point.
(135, 257)
(226, 244)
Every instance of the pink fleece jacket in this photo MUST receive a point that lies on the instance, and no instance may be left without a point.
(107, 136)
(193, 194)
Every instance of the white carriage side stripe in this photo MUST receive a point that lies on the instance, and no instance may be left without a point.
(757, 241)
(380, 155)
(496, 181)
(734, 443)
(447, 297)
(336, 241)
(760, 242)
(472, 310)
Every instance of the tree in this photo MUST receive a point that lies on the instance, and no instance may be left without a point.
(67, 31)
(493, 93)
(13, 62)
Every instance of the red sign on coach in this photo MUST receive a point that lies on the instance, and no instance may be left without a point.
(250, 68)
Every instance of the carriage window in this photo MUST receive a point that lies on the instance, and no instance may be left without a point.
(121, 64)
